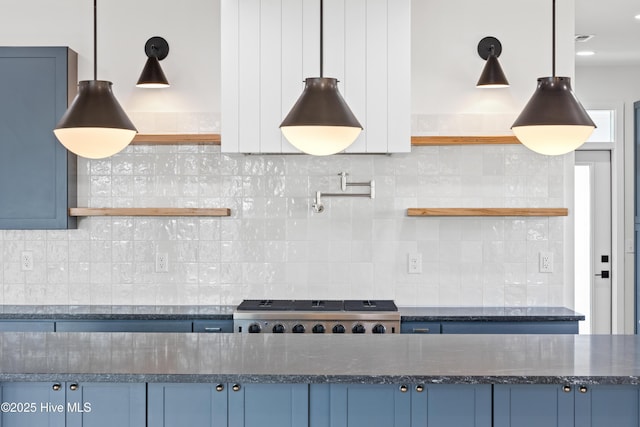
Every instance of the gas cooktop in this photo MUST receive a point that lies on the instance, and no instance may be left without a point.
(317, 305)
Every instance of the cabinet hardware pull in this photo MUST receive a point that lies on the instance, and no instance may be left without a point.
(73, 387)
(583, 389)
(421, 330)
(236, 387)
(219, 387)
(404, 388)
(420, 388)
(56, 387)
(566, 388)
(213, 329)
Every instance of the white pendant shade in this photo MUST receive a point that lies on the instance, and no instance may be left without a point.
(321, 140)
(94, 142)
(553, 140)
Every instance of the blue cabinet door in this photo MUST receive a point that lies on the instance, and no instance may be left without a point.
(106, 404)
(532, 405)
(37, 174)
(360, 405)
(607, 405)
(181, 405)
(32, 404)
(269, 405)
(451, 405)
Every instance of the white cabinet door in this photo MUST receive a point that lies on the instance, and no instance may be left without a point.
(270, 46)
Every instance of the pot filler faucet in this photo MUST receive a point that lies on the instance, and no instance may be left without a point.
(317, 205)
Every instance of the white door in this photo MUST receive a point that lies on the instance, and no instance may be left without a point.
(593, 264)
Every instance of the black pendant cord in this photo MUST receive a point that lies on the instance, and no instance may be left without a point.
(95, 39)
(321, 37)
(553, 36)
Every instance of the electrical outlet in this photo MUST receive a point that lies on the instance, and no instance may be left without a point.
(546, 262)
(414, 263)
(162, 262)
(26, 261)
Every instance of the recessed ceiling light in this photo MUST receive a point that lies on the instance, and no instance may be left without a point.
(637, 17)
(585, 53)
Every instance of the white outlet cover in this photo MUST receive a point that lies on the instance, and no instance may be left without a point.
(546, 262)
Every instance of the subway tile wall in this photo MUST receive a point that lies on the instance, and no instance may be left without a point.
(275, 246)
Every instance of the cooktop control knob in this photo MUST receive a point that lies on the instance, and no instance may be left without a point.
(358, 329)
(379, 329)
(298, 329)
(278, 329)
(254, 328)
(318, 329)
(339, 329)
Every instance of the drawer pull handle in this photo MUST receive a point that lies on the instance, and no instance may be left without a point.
(219, 387)
(419, 388)
(566, 389)
(236, 387)
(404, 388)
(213, 329)
(56, 387)
(421, 330)
(73, 387)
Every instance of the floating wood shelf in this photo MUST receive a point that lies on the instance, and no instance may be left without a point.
(149, 212)
(487, 212)
(419, 141)
(215, 139)
(177, 139)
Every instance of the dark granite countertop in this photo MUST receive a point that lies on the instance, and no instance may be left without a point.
(488, 314)
(274, 358)
(116, 312)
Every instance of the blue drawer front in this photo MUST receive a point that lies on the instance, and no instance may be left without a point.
(420, 328)
(124, 326)
(559, 327)
(213, 326)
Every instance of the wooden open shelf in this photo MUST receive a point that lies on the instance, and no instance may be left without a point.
(149, 212)
(177, 139)
(215, 139)
(487, 212)
(420, 141)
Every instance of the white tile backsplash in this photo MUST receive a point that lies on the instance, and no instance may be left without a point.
(273, 245)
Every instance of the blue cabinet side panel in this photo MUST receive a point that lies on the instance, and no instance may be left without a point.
(532, 406)
(180, 405)
(608, 405)
(551, 327)
(37, 175)
(106, 405)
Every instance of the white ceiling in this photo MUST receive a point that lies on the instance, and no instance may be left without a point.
(616, 31)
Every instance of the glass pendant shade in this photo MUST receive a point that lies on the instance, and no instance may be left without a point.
(95, 126)
(553, 122)
(492, 75)
(152, 75)
(321, 123)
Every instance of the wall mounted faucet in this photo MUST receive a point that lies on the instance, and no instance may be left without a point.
(317, 205)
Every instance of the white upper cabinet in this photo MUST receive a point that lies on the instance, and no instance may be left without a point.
(270, 46)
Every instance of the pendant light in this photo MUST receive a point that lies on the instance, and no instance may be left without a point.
(152, 76)
(95, 126)
(489, 49)
(321, 123)
(553, 122)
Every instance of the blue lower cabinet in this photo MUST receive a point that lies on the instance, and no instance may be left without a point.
(269, 405)
(72, 404)
(533, 405)
(607, 405)
(180, 405)
(123, 326)
(549, 327)
(385, 405)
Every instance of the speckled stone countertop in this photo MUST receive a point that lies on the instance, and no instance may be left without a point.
(275, 358)
(116, 312)
(488, 314)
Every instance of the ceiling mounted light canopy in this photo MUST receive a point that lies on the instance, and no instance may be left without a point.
(321, 123)
(489, 49)
(95, 126)
(553, 122)
(152, 75)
